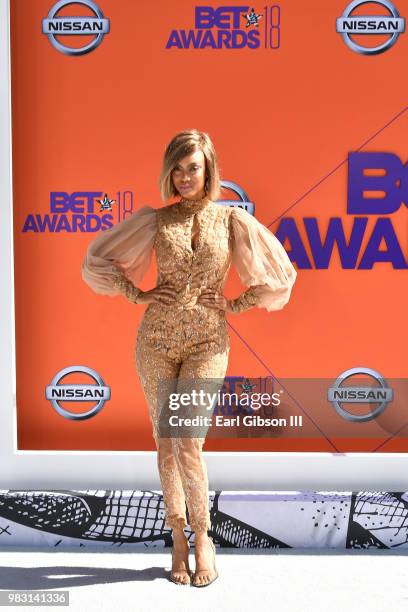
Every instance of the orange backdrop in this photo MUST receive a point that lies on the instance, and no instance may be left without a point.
(283, 121)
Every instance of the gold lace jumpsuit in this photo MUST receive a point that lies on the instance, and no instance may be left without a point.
(195, 243)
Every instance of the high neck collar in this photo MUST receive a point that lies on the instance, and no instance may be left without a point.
(193, 205)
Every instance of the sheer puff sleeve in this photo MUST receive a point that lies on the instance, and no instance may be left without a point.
(262, 264)
(117, 259)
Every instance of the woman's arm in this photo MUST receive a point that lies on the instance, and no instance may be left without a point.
(127, 288)
(248, 299)
(117, 259)
(262, 264)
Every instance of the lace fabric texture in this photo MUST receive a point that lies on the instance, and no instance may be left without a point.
(185, 339)
(125, 286)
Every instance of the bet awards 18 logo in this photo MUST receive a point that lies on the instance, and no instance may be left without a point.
(230, 27)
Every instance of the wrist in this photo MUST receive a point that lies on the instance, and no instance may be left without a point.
(127, 288)
(245, 301)
(232, 306)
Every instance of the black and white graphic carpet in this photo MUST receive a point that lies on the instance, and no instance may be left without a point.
(240, 519)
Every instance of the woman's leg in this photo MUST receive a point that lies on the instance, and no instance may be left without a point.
(190, 462)
(153, 367)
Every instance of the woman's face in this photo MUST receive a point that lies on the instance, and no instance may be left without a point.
(189, 176)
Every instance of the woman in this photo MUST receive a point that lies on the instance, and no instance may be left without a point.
(183, 332)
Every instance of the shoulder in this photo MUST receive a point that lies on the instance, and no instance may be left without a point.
(143, 219)
(168, 206)
(237, 212)
(143, 211)
(145, 215)
(168, 209)
(147, 209)
(240, 217)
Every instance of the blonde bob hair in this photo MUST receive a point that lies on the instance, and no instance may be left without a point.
(184, 143)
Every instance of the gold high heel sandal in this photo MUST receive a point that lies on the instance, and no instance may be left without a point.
(187, 571)
(214, 568)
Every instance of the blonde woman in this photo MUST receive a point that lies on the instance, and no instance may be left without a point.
(183, 333)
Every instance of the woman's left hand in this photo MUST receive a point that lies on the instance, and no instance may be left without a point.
(212, 299)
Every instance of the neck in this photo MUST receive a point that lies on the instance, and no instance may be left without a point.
(193, 204)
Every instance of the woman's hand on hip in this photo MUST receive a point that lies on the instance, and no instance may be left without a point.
(213, 299)
(162, 294)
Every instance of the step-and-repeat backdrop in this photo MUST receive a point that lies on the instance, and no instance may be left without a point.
(307, 107)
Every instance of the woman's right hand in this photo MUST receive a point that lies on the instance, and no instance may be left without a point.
(162, 294)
